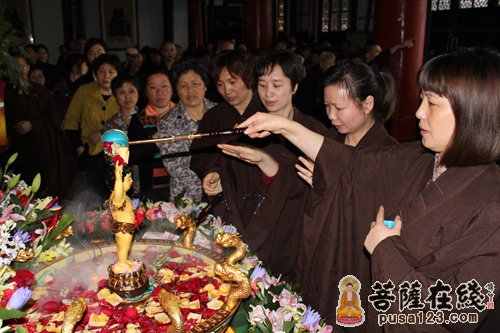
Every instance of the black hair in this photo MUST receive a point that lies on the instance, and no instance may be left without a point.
(186, 65)
(469, 79)
(288, 61)
(360, 81)
(93, 41)
(41, 46)
(119, 80)
(106, 58)
(237, 62)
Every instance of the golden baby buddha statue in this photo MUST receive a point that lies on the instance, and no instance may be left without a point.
(127, 277)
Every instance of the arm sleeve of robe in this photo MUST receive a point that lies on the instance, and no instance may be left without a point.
(205, 156)
(477, 253)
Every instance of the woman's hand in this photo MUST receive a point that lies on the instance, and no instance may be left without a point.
(379, 231)
(261, 125)
(306, 171)
(211, 184)
(80, 150)
(23, 127)
(252, 155)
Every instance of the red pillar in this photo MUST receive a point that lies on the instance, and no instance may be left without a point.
(394, 22)
(259, 26)
(3, 125)
(195, 24)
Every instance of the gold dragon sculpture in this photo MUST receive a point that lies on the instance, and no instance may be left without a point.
(187, 222)
(73, 315)
(228, 271)
(170, 304)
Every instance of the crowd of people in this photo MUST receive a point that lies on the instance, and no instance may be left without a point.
(312, 180)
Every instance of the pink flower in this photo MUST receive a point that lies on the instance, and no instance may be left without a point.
(257, 315)
(326, 329)
(152, 213)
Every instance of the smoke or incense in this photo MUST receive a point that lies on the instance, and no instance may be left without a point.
(190, 136)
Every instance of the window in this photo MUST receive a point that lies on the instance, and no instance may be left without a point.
(440, 5)
(335, 15)
(302, 15)
(473, 4)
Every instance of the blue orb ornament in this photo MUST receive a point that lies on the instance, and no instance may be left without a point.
(115, 136)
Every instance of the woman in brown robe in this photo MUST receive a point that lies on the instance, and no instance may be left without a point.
(233, 73)
(34, 132)
(446, 205)
(358, 100)
(273, 231)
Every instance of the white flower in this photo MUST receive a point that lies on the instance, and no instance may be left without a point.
(257, 315)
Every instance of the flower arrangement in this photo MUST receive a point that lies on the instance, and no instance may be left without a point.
(275, 307)
(32, 230)
(159, 216)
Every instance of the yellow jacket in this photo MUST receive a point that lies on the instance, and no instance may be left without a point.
(87, 112)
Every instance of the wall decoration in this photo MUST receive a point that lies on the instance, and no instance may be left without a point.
(119, 23)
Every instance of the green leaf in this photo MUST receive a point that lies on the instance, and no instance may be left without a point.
(178, 200)
(263, 328)
(13, 182)
(43, 214)
(10, 314)
(17, 203)
(35, 186)
(11, 160)
(289, 325)
(50, 240)
(240, 320)
(21, 329)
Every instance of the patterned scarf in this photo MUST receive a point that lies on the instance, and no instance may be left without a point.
(438, 169)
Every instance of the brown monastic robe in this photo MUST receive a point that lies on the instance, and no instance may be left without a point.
(274, 231)
(43, 149)
(206, 158)
(317, 261)
(267, 217)
(451, 227)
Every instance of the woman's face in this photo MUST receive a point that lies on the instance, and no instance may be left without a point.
(104, 75)
(25, 68)
(43, 55)
(95, 51)
(191, 89)
(159, 90)
(232, 88)
(347, 116)
(275, 91)
(127, 96)
(168, 51)
(437, 121)
(37, 76)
